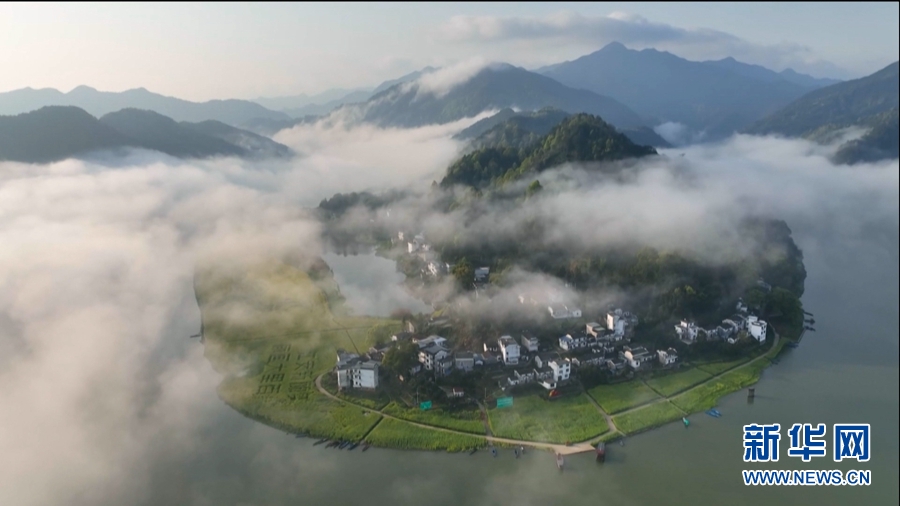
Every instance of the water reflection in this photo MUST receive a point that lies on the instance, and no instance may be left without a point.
(370, 283)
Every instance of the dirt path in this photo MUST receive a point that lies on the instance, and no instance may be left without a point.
(698, 385)
(558, 448)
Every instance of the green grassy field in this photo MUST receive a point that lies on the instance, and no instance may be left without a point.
(396, 434)
(461, 420)
(719, 367)
(271, 331)
(531, 418)
(673, 383)
(621, 396)
(707, 396)
(647, 417)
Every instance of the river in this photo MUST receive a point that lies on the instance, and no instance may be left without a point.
(847, 371)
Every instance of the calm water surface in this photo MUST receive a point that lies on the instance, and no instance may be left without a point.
(845, 372)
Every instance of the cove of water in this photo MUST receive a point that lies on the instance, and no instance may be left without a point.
(845, 372)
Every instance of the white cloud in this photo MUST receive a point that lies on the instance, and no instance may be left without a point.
(637, 32)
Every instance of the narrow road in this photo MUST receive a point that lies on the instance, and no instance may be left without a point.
(609, 421)
(698, 385)
(558, 448)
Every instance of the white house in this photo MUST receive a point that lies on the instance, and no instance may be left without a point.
(543, 360)
(667, 357)
(430, 340)
(482, 274)
(530, 343)
(757, 328)
(615, 322)
(561, 368)
(437, 269)
(569, 342)
(353, 372)
(509, 349)
(595, 329)
(687, 331)
(431, 355)
(561, 311)
(740, 306)
(636, 357)
(464, 360)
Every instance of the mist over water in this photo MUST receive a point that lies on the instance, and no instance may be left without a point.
(107, 401)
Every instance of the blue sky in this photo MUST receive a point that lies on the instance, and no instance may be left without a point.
(204, 51)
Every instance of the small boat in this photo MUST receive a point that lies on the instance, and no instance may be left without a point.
(714, 413)
(686, 421)
(792, 344)
(473, 451)
(343, 445)
(352, 446)
(622, 442)
(366, 446)
(559, 461)
(494, 451)
(332, 444)
(601, 451)
(317, 443)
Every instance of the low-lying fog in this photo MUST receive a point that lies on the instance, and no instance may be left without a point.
(100, 388)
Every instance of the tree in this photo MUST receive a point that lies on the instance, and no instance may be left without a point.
(401, 358)
(534, 188)
(464, 272)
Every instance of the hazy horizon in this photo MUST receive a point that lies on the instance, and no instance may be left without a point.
(281, 50)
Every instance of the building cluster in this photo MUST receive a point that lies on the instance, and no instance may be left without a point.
(604, 344)
(354, 371)
(730, 330)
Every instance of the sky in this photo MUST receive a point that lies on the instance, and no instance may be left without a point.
(208, 51)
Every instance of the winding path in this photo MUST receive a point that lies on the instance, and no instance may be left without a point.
(558, 448)
(580, 447)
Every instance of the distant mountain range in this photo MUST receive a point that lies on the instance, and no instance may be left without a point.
(58, 132)
(717, 97)
(300, 106)
(577, 138)
(869, 102)
(494, 87)
(521, 129)
(98, 103)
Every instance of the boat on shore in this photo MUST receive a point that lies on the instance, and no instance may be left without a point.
(715, 413)
(560, 461)
(601, 451)
(685, 421)
(343, 445)
(473, 451)
(332, 444)
(317, 443)
(366, 446)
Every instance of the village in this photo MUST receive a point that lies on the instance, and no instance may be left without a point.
(505, 362)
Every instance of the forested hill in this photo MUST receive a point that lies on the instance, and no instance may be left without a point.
(578, 138)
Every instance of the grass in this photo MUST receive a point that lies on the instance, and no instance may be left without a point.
(671, 384)
(461, 420)
(621, 396)
(714, 368)
(397, 434)
(647, 417)
(270, 331)
(707, 395)
(532, 418)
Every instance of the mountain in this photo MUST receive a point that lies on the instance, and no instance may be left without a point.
(54, 133)
(716, 97)
(850, 103)
(302, 100)
(58, 132)
(299, 106)
(98, 103)
(518, 130)
(577, 138)
(763, 74)
(494, 87)
(882, 142)
(253, 145)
